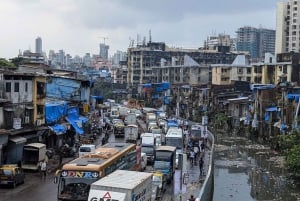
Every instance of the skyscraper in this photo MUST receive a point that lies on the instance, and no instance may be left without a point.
(38, 45)
(104, 51)
(288, 27)
(257, 41)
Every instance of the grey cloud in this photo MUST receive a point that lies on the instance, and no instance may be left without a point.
(130, 13)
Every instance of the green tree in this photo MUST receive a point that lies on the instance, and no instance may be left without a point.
(290, 145)
(220, 119)
(5, 63)
(293, 160)
(18, 61)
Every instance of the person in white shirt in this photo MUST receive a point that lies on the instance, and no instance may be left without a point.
(43, 168)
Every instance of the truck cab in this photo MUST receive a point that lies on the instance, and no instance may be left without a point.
(148, 143)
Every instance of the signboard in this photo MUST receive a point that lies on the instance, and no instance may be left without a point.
(99, 195)
(204, 120)
(17, 123)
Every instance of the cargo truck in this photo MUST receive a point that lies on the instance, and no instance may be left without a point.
(33, 154)
(122, 185)
(131, 133)
(130, 119)
(165, 161)
(148, 146)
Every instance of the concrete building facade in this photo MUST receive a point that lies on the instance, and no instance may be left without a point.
(287, 26)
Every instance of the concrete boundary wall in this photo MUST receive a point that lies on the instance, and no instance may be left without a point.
(207, 189)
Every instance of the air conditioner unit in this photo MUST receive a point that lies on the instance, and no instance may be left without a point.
(38, 122)
(26, 119)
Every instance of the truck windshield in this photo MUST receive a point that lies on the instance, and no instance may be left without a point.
(196, 133)
(74, 188)
(163, 156)
(175, 142)
(148, 150)
(161, 165)
(85, 149)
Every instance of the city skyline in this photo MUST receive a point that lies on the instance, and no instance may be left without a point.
(79, 28)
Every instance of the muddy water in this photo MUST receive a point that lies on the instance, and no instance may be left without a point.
(248, 172)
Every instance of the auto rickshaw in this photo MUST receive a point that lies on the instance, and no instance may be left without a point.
(159, 180)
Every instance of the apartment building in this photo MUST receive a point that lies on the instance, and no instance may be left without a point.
(143, 58)
(239, 70)
(287, 26)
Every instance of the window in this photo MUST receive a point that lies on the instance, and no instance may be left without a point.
(284, 69)
(17, 87)
(26, 87)
(40, 109)
(8, 87)
(239, 70)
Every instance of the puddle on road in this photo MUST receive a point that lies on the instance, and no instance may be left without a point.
(247, 172)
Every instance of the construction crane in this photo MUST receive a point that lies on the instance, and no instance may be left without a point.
(104, 38)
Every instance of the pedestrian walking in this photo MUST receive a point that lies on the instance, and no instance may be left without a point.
(201, 163)
(192, 198)
(103, 141)
(196, 151)
(43, 168)
(192, 157)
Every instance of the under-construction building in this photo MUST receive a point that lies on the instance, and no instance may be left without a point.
(142, 59)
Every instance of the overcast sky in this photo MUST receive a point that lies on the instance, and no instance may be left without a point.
(78, 26)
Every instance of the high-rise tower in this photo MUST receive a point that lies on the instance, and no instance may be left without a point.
(104, 50)
(288, 26)
(38, 45)
(257, 41)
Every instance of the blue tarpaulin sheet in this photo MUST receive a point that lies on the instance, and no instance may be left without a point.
(271, 109)
(267, 116)
(172, 123)
(166, 85)
(166, 100)
(148, 85)
(74, 124)
(54, 111)
(75, 120)
(97, 97)
(293, 96)
(283, 126)
(58, 129)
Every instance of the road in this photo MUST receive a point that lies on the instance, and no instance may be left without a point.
(37, 189)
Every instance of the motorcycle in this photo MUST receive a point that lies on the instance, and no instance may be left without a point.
(67, 151)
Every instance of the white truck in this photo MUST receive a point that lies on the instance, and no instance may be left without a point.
(148, 143)
(131, 133)
(122, 185)
(130, 119)
(33, 154)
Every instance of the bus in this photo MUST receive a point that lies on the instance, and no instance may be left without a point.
(75, 177)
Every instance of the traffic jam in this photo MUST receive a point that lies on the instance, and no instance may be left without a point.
(130, 153)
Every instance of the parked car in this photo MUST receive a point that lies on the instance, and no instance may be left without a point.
(11, 175)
